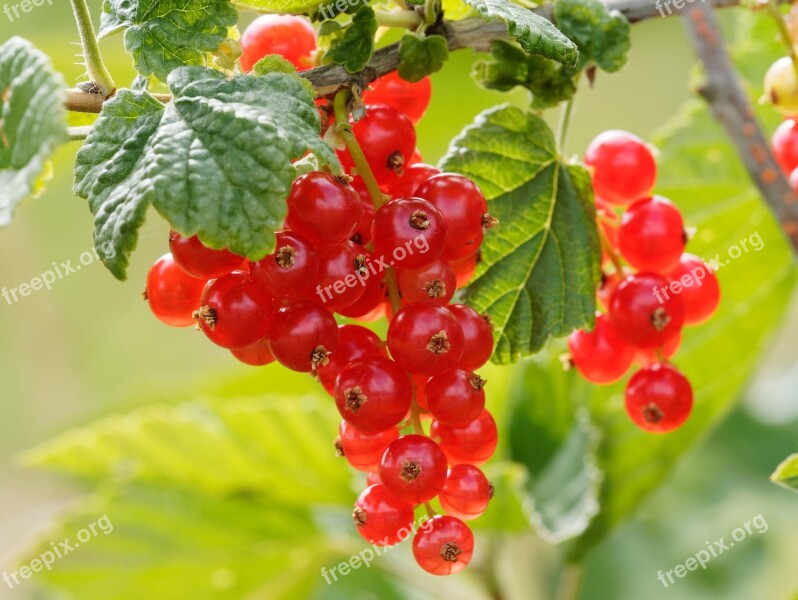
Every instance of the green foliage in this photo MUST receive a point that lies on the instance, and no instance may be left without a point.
(539, 269)
(32, 122)
(353, 46)
(286, 7)
(786, 475)
(164, 35)
(420, 56)
(602, 35)
(216, 161)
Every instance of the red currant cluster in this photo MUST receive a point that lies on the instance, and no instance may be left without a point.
(647, 303)
(400, 255)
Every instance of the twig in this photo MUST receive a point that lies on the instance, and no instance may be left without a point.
(730, 106)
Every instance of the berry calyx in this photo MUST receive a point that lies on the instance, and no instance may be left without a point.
(410, 232)
(443, 546)
(425, 339)
(659, 398)
(413, 468)
(434, 283)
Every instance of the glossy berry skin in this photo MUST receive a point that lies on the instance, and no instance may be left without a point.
(700, 290)
(785, 145)
(343, 273)
(413, 468)
(234, 311)
(256, 355)
(412, 99)
(641, 313)
(464, 270)
(362, 234)
(434, 283)
(624, 169)
(467, 492)
(646, 358)
(322, 209)
(198, 260)
(302, 336)
(364, 450)
(455, 397)
(291, 37)
(463, 206)
(373, 394)
(354, 342)
(425, 339)
(473, 444)
(387, 138)
(651, 236)
(288, 273)
(409, 232)
(601, 356)
(382, 519)
(477, 337)
(414, 176)
(443, 546)
(172, 294)
(781, 87)
(369, 307)
(659, 398)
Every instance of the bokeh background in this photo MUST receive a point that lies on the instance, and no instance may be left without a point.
(89, 347)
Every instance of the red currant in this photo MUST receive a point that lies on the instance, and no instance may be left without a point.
(257, 355)
(467, 492)
(322, 209)
(354, 342)
(173, 295)
(652, 236)
(464, 270)
(643, 313)
(198, 260)
(646, 358)
(477, 336)
(413, 468)
(600, 355)
(373, 394)
(370, 306)
(303, 336)
(412, 99)
(700, 290)
(434, 283)
(443, 546)
(414, 176)
(291, 37)
(659, 398)
(455, 397)
(425, 339)
(624, 169)
(785, 145)
(289, 273)
(364, 450)
(382, 519)
(410, 231)
(343, 272)
(473, 444)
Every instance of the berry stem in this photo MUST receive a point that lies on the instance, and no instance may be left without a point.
(611, 252)
(775, 11)
(570, 584)
(95, 68)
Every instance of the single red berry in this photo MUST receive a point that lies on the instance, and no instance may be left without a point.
(343, 274)
(412, 99)
(643, 313)
(467, 492)
(698, 287)
(370, 306)
(455, 397)
(413, 468)
(373, 394)
(477, 336)
(473, 444)
(434, 283)
(364, 450)
(464, 270)
(409, 233)
(234, 311)
(425, 339)
(443, 546)
(382, 519)
(354, 342)
(323, 209)
(411, 180)
(646, 358)
(291, 37)
(463, 207)
(600, 355)
(624, 169)
(198, 260)
(256, 355)
(303, 336)
(288, 273)
(659, 398)
(173, 295)
(785, 145)
(387, 138)
(652, 236)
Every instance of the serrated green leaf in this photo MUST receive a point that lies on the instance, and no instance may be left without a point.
(163, 35)
(602, 35)
(353, 47)
(32, 122)
(216, 161)
(272, 63)
(786, 474)
(421, 56)
(539, 268)
(535, 34)
(284, 7)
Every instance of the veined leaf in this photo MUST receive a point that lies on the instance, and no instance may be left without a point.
(421, 56)
(291, 7)
(786, 475)
(601, 35)
(353, 47)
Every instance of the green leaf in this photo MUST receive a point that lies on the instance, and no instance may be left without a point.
(421, 56)
(32, 122)
(786, 475)
(216, 161)
(601, 35)
(354, 47)
(287, 7)
(272, 63)
(535, 34)
(163, 35)
(539, 268)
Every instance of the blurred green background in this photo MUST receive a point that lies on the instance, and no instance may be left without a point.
(89, 347)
